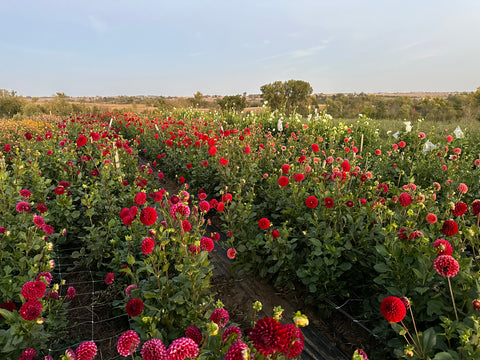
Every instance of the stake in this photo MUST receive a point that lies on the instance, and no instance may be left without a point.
(453, 300)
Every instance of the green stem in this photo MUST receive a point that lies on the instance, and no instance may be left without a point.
(453, 300)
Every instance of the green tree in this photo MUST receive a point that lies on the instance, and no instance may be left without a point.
(232, 102)
(198, 100)
(289, 96)
(59, 105)
(10, 103)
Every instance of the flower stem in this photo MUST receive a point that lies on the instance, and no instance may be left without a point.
(453, 300)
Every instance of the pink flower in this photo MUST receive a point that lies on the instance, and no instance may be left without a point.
(38, 221)
(194, 333)
(129, 289)
(29, 354)
(293, 345)
(462, 188)
(48, 229)
(238, 351)
(71, 293)
(45, 276)
(23, 206)
(154, 349)
(86, 351)
(231, 253)
(220, 317)
(443, 247)
(128, 343)
(232, 334)
(207, 244)
(25, 193)
(181, 349)
(446, 265)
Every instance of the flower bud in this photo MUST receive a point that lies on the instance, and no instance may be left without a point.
(257, 306)
(300, 320)
(476, 304)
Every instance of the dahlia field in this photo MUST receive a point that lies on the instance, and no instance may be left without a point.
(386, 223)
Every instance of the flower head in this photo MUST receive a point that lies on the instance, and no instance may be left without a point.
(462, 188)
(207, 244)
(134, 307)
(393, 309)
(359, 354)
(109, 278)
(86, 351)
(460, 209)
(232, 334)
(28, 354)
(82, 140)
(128, 343)
(405, 199)
(283, 181)
(33, 290)
(443, 247)
(293, 345)
(25, 193)
(148, 216)
(23, 206)
(31, 310)
(449, 228)
(431, 218)
(328, 202)
(231, 252)
(263, 223)
(71, 293)
(183, 348)
(238, 351)
(220, 317)
(147, 245)
(476, 207)
(194, 333)
(140, 198)
(154, 349)
(268, 336)
(311, 202)
(446, 265)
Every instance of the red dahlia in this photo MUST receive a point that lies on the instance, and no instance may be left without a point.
(443, 247)
(446, 265)
(25, 193)
(283, 181)
(183, 348)
(231, 253)
(263, 223)
(28, 354)
(220, 317)
(109, 277)
(298, 177)
(128, 343)
(207, 244)
(268, 336)
(328, 201)
(33, 290)
(405, 199)
(194, 333)
(293, 345)
(311, 202)
(232, 334)
(140, 198)
(285, 168)
(134, 307)
(82, 140)
(147, 245)
(31, 310)
(449, 228)
(460, 209)
(148, 216)
(393, 309)
(431, 218)
(476, 207)
(154, 349)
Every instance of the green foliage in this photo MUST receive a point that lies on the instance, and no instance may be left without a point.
(232, 103)
(289, 96)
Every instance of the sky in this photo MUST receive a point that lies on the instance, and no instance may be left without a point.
(222, 47)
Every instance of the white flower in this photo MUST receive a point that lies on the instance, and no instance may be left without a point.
(279, 125)
(396, 135)
(458, 132)
(408, 126)
(429, 146)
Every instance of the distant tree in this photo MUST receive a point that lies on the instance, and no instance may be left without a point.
(59, 105)
(198, 100)
(290, 96)
(232, 102)
(10, 103)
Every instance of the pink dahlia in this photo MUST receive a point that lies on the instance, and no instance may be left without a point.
(446, 265)
(231, 253)
(128, 343)
(183, 348)
(33, 290)
(293, 345)
(220, 317)
(109, 278)
(462, 188)
(393, 309)
(443, 247)
(28, 354)
(71, 293)
(268, 336)
(86, 351)
(204, 206)
(38, 221)
(238, 351)
(70, 354)
(232, 334)
(48, 229)
(154, 349)
(194, 333)
(130, 288)
(23, 206)
(207, 244)
(45, 277)
(25, 193)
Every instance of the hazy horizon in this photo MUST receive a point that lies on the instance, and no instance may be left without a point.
(115, 48)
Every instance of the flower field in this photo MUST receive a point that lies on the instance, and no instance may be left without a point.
(384, 222)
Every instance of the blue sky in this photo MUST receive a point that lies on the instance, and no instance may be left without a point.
(175, 48)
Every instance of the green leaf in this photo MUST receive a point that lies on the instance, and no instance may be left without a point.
(434, 307)
(429, 339)
(381, 267)
(382, 250)
(443, 356)
(130, 260)
(7, 314)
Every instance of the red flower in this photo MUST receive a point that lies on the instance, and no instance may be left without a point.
(328, 201)
(25, 193)
(462, 188)
(86, 351)
(476, 207)
(183, 348)
(59, 190)
(207, 244)
(31, 310)
(405, 199)
(134, 307)
(220, 317)
(194, 333)
(9, 305)
(232, 334)
(223, 161)
(378, 152)
(140, 198)
(128, 343)
(263, 223)
(204, 206)
(238, 351)
(23, 206)
(315, 148)
(147, 245)
(275, 233)
(148, 216)
(285, 168)
(28, 354)
(7, 148)
(42, 208)
(33, 290)
(476, 304)
(48, 229)
(82, 140)
(446, 265)
(109, 278)
(449, 228)
(393, 309)
(283, 181)
(186, 226)
(293, 345)
(268, 336)
(154, 349)
(28, 136)
(194, 249)
(231, 253)
(71, 293)
(311, 202)
(227, 198)
(443, 247)
(431, 218)
(460, 209)
(247, 150)
(94, 172)
(298, 177)
(349, 203)
(212, 150)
